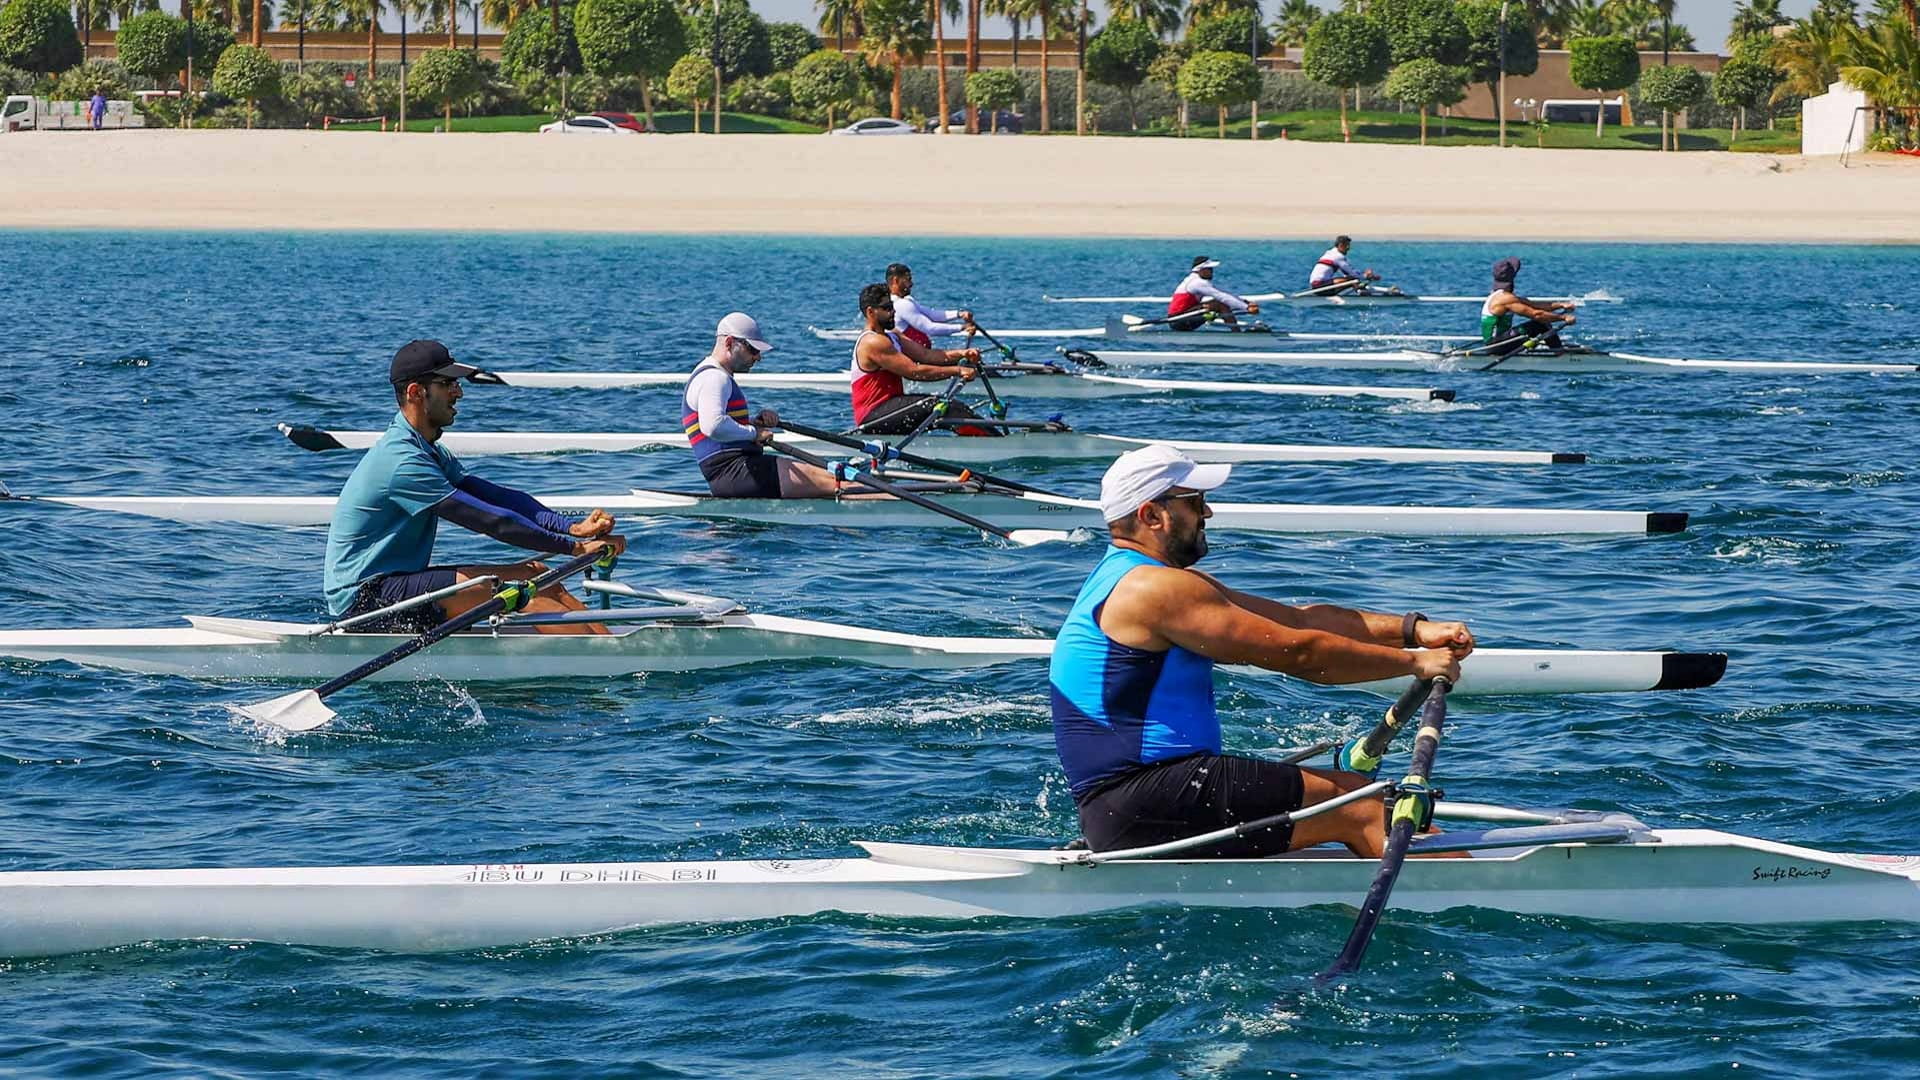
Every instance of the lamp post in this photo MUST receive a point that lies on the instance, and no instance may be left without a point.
(1500, 99)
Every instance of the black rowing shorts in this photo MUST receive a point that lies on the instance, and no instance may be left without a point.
(388, 589)
(1172, 800)
(742, 474)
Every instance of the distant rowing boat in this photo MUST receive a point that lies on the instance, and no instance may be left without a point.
(1033, 380)
(1010, 510)
(1015, 445)
(1207, 335)
(1373, 298)
(1567, 361)
(1559, 863)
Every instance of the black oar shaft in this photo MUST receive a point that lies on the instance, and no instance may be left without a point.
(1408, 703)
(895, 490)
(454, 625)
(1407, 812)
(852, 443)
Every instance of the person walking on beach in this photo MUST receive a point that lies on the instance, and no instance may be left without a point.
(97, 108)
(1497, 330)
(1198, 295)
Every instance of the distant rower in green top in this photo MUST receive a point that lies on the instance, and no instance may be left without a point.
(1496, 315)
(381, 539)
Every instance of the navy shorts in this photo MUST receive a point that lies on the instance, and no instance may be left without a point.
(378, 592)
(1172, 800)
(739, 474)
(901, 415)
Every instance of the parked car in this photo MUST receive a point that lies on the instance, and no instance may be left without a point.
(875, 125)
(624, 120)
(1011, 123)
(585, 125)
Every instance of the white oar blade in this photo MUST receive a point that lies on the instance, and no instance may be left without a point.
(1032, 537)
(299, 711)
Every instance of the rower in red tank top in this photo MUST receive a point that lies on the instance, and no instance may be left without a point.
(885, 360)
(1197, 294)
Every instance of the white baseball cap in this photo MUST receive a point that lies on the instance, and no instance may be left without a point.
(1206, 264)
(1143, 475)
(740, 325)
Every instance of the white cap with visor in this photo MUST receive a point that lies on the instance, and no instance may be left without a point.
(1143, 475)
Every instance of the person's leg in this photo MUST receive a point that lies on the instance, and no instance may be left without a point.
(552, 599)
(1359, 826)
(799, 480)
(897, 417)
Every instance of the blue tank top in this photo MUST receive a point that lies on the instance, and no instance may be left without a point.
(1117, 708)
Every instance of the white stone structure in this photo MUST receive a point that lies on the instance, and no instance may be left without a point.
(1836, 122)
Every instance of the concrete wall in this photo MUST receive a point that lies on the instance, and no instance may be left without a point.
(1832, 123)
(349, 48)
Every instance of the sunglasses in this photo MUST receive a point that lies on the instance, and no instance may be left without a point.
(1197, 496)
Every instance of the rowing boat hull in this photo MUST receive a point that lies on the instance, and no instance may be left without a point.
(226, 648)
(1542, 363)
(1346, 300)
(1014, 446)
(1212, 335)
(1673, 876)
(1064, 386)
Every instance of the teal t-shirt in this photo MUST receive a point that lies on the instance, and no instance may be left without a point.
(384, 521)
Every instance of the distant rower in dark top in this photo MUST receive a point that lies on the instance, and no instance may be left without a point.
(1496, 315)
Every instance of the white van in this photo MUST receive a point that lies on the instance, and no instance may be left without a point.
(23, 113)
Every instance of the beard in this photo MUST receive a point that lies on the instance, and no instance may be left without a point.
(885, 320)
(1185, 548)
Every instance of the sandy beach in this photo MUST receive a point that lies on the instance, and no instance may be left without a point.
(918, 185)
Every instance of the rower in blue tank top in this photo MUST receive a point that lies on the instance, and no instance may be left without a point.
(1132, 679)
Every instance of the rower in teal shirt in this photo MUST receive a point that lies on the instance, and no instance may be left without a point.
(380, 545)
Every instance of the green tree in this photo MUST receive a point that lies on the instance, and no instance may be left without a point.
(691, 80)
(994, 89)
(1755, 17)
(532, 51)
(1120, 56)
(247, 73)
(1671, 88)
(1745, 82)
(153, 45)
(638, 38)
(790, 43)
(1883, 61)
(1601, 64)
(80, 82)
(745, 47)
(445, 76)
(1425, 84)
(1346, 51)
(1231, 32)
(1422, 30)
(1808, 56)
(1293, 21)
(896, 30)
(1219, 79)
(39, 36)
(1485, 37)
(827, 81)
(1160, 16)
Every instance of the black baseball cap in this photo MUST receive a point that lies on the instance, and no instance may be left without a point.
(421, 359)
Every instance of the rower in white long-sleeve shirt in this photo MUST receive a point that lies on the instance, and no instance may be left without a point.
(917, 322)
(729, 447)
(1334, 272)
(1198, 294)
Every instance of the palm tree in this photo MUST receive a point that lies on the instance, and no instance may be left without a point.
(973, 61)
(502, 13)
(1883, 62)
(1162, 15)
(1016, 12)
(836, 16)
(1198, 10)
(1752, 17)
(896, 30)
(1809, 54)
(937, 13)
(1293, 21)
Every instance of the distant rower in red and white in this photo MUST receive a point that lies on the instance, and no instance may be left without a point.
(1198, 295)
(917, 322)
(885, 359)
(1334, 272)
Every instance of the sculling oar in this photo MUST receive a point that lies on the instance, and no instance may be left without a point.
(1363, 755)
(304, 710)
(1005, 350)
(1412, 811)
(845, 471)
(882, 452)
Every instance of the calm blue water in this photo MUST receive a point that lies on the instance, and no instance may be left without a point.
(157, 362)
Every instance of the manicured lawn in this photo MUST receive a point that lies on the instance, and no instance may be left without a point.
(731, 123)
(1323, 125)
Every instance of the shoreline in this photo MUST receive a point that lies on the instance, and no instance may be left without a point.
(1093, 188)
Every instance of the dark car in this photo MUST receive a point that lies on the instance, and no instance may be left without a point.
(625, 120)
(1011, 123)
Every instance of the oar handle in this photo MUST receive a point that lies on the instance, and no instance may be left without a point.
(863, 476)
(881, 450)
